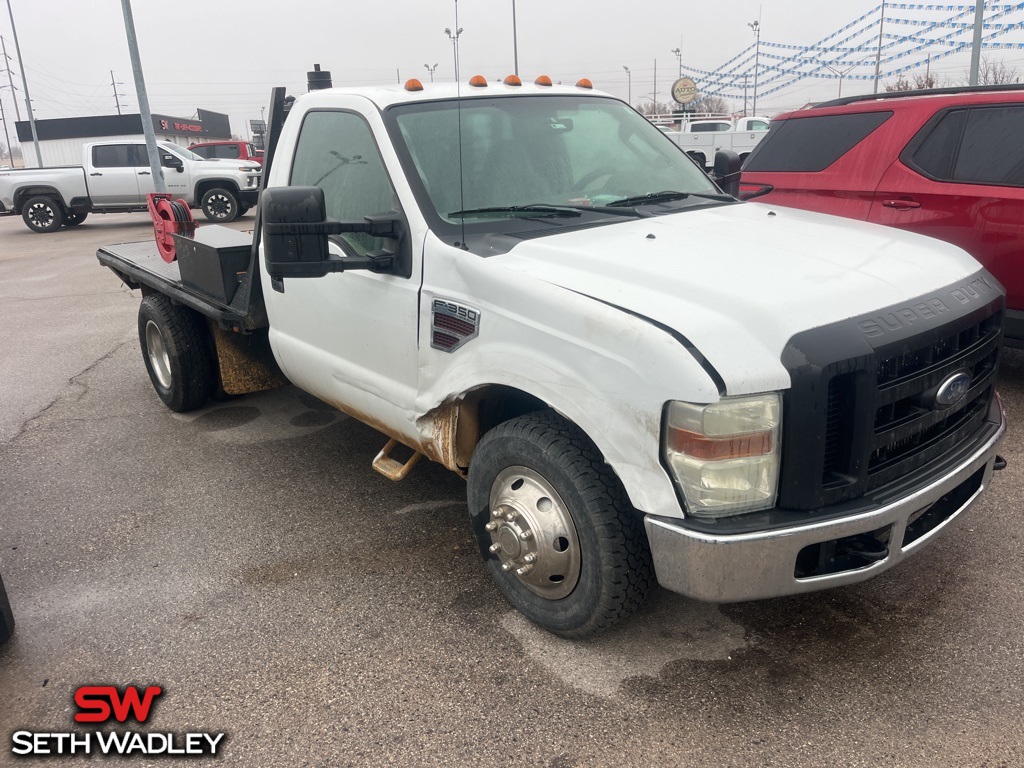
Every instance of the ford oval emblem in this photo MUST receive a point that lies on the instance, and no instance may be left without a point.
(952, 389)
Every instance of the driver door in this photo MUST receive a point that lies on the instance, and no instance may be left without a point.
(349, 337)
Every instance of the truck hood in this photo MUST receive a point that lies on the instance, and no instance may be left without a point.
(739, 281)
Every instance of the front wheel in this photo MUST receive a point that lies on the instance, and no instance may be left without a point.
(176, 348)
(557, 533)
(43, 214)
(220, 205)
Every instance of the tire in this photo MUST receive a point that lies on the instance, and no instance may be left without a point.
(539, 477)
(74, 218)
(42, 214)
(176, 349)
(220, 205)
(242, 210)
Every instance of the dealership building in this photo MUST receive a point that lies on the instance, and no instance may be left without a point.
(61, 140)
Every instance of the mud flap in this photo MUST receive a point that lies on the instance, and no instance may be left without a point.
(246, 362)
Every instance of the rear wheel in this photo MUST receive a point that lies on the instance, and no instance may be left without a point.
(43, 214)
(556, 530)
(220, 205)
(74, 218)
(176, 348)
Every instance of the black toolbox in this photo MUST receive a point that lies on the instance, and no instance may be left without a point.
(214, 261)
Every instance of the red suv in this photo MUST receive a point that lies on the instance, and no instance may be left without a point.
(948, 163)
(228, 150)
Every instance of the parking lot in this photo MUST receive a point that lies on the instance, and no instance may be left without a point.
(247, 559)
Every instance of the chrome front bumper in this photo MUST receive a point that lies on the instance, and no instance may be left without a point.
(753, 566)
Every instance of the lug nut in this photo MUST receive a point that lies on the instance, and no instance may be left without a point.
(524, 570)
(495, 548)
(530, 558)
(497, 512)
(492, 526)
(506, 567)
(510, 516)
(526, 535)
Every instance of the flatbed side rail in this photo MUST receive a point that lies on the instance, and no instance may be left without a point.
(140, 264)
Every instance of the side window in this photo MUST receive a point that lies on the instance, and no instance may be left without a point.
(226, 151)
(992, 151)
(938, 150)
(337, 153)
(113, 156)
(757, 125)
(808, 144)
(202, 151)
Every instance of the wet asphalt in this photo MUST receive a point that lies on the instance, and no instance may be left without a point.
(246, 559)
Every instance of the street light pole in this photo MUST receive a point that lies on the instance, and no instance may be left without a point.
(756, 26)
(629, 85)
(878, 54)
(454, 37)
(841, 73)
(155, 167)
(679, 58)
(431, 69)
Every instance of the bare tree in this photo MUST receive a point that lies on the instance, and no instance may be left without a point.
(919, 83)
(712, 105)
(651, 107)
(995, 73)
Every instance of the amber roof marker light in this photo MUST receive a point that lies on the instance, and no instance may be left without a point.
(584, 83)
(512, 80)
(543, 80)
(413, 85)
(478, 81)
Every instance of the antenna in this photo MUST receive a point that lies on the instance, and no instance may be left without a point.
(458, 105)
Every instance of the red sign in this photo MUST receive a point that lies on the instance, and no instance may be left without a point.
(99, 702)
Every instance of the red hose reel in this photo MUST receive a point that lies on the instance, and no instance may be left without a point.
(170, 217)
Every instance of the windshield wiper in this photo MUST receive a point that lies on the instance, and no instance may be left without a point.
(546, 210)
(666, 197)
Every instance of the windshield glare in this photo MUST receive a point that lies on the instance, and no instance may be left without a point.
(554, 150)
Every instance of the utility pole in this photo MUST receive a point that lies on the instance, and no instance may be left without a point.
(10, 79)
(654, 96)
(979, 17)
(114, 85)
(143, 97)
(878, 55)
(3, 119)
(744, 94)
(756, 26)
(24, 82)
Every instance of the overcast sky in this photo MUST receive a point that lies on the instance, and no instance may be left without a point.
(226, 56)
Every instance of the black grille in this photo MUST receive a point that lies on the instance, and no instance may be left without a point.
(861, 414)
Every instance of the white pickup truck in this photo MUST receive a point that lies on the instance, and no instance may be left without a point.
(115, 178)
(702, 139)
(639, 376)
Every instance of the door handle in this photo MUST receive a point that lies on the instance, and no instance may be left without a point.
(95, 174)
(901, 205)
(145, 173)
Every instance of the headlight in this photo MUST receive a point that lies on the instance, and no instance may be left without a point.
(724, 457)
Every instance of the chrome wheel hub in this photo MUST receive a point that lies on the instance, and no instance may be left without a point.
(158, 357)
(532, 533)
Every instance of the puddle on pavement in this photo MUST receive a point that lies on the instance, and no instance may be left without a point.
(671, 629)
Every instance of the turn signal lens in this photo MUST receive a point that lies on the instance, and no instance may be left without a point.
(717, 448)
(413, 85)
(542, 80)
(478, 81)
(512, 80)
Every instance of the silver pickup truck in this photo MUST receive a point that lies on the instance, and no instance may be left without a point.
(115, 177)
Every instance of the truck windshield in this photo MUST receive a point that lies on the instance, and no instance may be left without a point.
(181, 152)
(522, 153)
